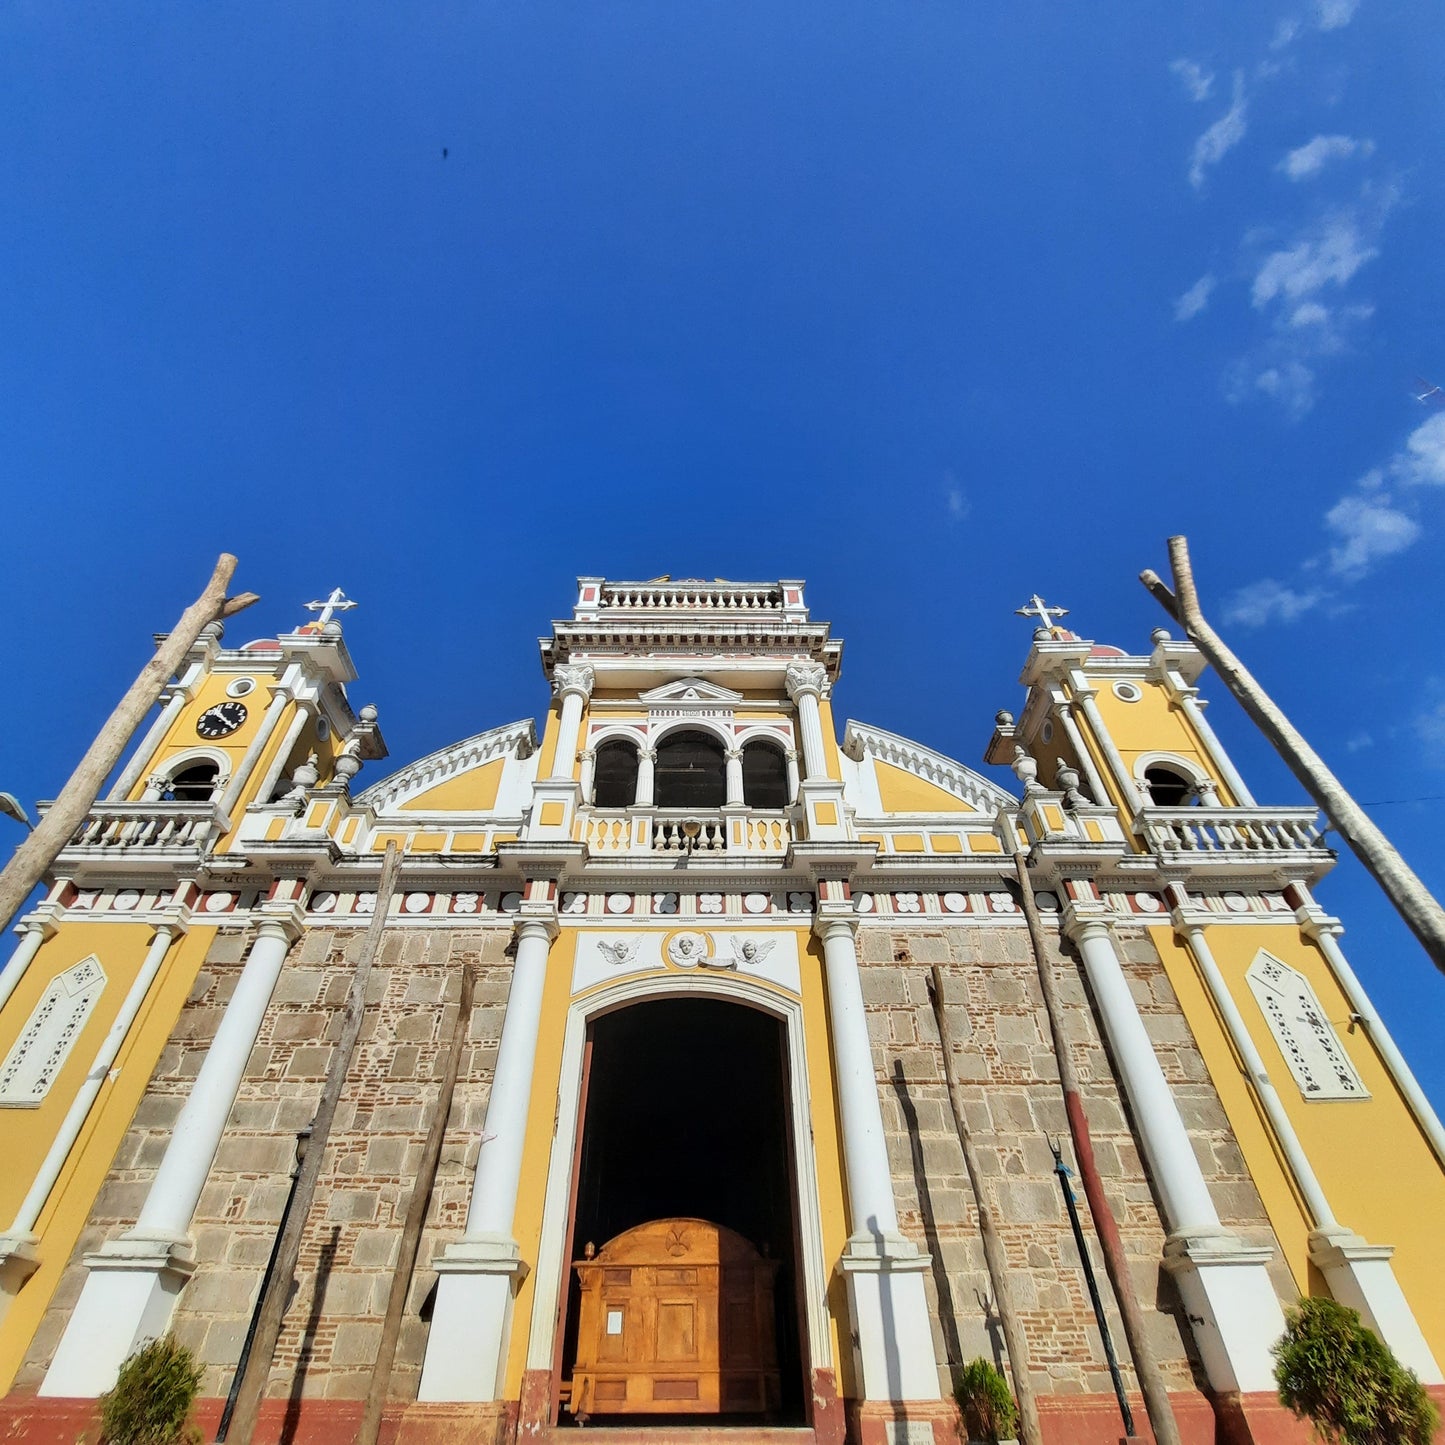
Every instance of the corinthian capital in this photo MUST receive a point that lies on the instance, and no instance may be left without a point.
(575, 677)
(806, 677)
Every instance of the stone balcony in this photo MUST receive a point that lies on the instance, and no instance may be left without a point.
(636, 833)
(163, 831)
(1234, 836)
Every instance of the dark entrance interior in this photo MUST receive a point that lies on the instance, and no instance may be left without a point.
(687, 1115)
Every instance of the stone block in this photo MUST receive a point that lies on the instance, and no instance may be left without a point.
(299, 985)
(216, 1291)
(309, 1061)
(356, 1344)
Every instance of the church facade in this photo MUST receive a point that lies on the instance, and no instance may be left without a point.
(701, 1166)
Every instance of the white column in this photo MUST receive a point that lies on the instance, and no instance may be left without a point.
(734, 777)
(75, 1117)
(791, 757)
(33, 932)
(131, 775)
(130, 1292)
(573, 684)
(1326, 931)
(1064, 711)
(646, 758)
(278, 763)
(471, 1317)
(884, 1271)
(805, 683)
(1225, 1285)
(242, 770)
(1189, 700)
(1084, 697)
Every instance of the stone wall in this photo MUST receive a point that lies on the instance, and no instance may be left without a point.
(334, 1323)
(1005, 1061)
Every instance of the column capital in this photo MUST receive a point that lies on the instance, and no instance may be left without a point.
(281, 920)
(1315, 923)
(1085, 920)
(536, 920)
(806, 679)
(833, 916)
(42, 920)
(175, 921)
(573, 677)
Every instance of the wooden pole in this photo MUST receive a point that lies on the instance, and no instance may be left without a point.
(415, 1219)
(1414, 902)
(34, 858)
(1136, 1330)
(278, 1287)
(993, 1250)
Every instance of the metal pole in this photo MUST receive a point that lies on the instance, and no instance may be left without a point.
(1413, 901)
(993, 1250)
(1136, 1329)
(278, 1288)
(225, 1422)
(416, 1219)
(1063, 1171)
(37, 854)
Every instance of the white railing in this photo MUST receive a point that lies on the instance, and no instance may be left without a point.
(618, 833)
(116, 826)
(659, 596)
(1230, 832)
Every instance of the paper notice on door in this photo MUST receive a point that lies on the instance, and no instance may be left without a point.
(614, 1322)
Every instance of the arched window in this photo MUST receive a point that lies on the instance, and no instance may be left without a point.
(195, 784)
(690, 772)
(614, 775)
(1168, 788)
(765, 777)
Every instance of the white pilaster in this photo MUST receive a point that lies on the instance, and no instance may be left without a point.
(646, 759)
(130, 1291)
(1064, 711)
(734, 797)
(277, 765)
(806, 683)
(884, 1271)
(1083, 695)
(471, 1318)
(573, 684)
(1188, 699)
(21, 1229)
(131, 774)
(33, 929)
(1225, 1285)
(257, 746)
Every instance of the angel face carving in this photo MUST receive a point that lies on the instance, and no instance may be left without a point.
(687, 950)
(619, 952)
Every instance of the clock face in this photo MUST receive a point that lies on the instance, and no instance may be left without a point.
(222, 720)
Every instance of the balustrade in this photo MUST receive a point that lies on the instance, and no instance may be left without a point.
(155, 825)
(1231, 831)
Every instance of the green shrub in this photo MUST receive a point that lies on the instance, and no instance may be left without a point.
(1342, 1377)
(152, 1397)
(986, 1402)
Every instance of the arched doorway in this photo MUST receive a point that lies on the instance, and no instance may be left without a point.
(686, 1119)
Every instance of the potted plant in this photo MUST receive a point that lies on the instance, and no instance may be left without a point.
(1344, 1379)
(985, 1403)
(152, 1399)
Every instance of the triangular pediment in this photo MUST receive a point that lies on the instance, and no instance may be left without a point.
(691, 689)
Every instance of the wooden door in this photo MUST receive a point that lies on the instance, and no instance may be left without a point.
(676, 1318)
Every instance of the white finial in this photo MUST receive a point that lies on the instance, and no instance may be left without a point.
(1037, 607)
(337, 602)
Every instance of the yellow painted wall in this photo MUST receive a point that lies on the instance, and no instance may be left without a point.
(902, 792)
(549, 738)
(472, 791)
(542, 1116)
(27, 1133)
(182, 736)
(1152, 725)
(830, 742)
(1352, 1144)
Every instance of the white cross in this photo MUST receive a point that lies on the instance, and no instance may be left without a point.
(1037, 607)
(337, 602)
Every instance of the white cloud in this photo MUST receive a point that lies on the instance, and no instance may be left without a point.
(1370, 529)
(1195, 299)
(1359, 742)
(1195, 79)
(1220, 138)
(1311, 313)
(1312, 157)
(1332, 255)
(1291, 383)
(1423, 459)
(1333, 14)
(1268, 601)
(1284, 34)
(955, 500)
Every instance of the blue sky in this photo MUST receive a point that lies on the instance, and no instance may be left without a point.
(932, 304)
